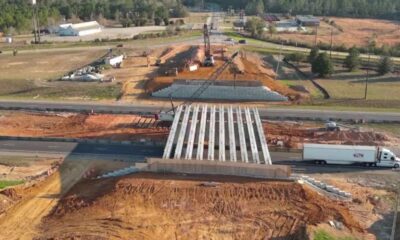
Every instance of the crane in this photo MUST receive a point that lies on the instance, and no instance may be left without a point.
(169, 115)
(209, 58)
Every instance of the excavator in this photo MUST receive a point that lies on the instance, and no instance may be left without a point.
(168, 116)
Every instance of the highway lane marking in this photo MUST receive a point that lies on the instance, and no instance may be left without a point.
(8, 144)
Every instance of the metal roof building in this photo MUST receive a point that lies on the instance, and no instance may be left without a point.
(79, 29)
(308, 21)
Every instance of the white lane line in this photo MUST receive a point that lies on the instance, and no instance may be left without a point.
(8, 144)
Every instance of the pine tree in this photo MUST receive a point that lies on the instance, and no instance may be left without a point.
(385, 65)
(322, 65)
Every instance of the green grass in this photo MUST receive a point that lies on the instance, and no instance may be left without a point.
(10, 183)
(65, 90)
(322, 235)
(350, 89)
(342, 106)
(315, 93)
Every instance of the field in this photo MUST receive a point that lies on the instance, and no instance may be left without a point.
(352, 86)
(356, 32)
(34, 74)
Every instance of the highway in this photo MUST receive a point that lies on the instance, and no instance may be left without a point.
(139, 153)
(65, 149)
(145, 108)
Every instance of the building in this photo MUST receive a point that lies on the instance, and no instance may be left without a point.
(308, 21)
(287, 26)
(9, 39)
(79, 29)
(271, 18)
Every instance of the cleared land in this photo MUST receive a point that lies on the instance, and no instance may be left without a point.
(153, 206)
(249, 65)
(115, 127)
(356, 32)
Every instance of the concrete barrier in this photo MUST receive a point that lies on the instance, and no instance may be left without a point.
(218, 168)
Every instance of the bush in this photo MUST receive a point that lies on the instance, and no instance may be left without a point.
(352, 61)
(322, 65)
(313, 55)
(295, 57)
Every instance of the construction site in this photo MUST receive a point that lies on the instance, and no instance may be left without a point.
(206, 165)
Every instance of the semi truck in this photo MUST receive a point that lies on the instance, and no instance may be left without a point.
(369, 156)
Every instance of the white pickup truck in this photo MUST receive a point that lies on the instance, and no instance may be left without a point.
(345, 154)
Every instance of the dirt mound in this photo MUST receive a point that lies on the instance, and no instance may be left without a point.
(149, 206)
(250, 66)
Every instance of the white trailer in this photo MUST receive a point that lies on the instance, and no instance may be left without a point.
(346, 155)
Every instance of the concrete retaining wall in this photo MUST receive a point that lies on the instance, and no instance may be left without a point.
(218, 168)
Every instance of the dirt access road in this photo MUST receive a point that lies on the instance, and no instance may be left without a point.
(21, 220)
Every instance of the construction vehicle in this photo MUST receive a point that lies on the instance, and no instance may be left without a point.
(346, 155)
(209, 58)
(332, 127)
(168, 116)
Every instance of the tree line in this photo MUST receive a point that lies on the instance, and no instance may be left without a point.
(16, 15)
(387, 9)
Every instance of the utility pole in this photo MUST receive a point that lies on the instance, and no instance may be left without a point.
(367, 78)
(36, 24)
(316, 36)
(331, 43)
(279, 61)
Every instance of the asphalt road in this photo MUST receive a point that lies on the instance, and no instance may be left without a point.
(144, 108)
(43, 148)
(139, 154)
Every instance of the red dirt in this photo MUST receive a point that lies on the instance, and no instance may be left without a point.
(150, 206)
(293, 135)
(115, 127)
(252, 67)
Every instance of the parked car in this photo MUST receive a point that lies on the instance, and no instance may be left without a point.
(242, 41)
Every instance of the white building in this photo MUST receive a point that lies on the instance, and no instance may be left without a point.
(288, 26)
(79, 29)
(9, 39)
